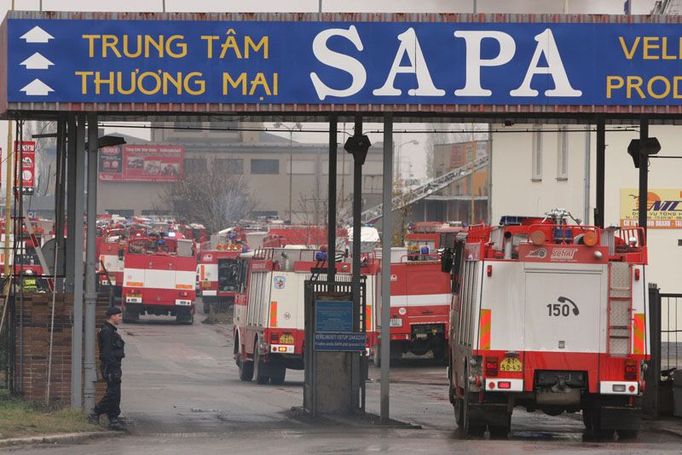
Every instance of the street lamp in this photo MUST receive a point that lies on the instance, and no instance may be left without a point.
(296, 126)
(399, 157)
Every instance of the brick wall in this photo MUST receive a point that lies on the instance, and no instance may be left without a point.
(32, 329)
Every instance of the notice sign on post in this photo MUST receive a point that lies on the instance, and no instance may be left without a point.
(334, 327)
(26, 151)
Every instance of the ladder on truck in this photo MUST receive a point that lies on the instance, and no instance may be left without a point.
(620, 309)
(422, 191)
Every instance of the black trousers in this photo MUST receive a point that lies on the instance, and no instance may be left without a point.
(110, 404)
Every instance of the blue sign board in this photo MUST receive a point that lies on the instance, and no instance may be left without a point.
(270, 62)
(333, 316)
(340, 342)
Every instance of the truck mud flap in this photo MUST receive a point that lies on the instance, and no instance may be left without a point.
(620, 418)
(495, 414)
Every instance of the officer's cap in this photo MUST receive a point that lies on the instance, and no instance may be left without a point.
(113, 310)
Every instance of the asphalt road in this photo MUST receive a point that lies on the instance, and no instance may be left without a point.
(182, 395)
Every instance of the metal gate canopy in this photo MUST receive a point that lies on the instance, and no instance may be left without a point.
(542, 66)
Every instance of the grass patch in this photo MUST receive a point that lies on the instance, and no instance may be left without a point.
(20, 418)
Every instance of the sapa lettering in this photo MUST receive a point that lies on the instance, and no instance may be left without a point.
(339, 61)
(555, 68)
(409, 44)
(474, 61)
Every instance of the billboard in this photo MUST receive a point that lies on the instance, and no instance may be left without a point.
(141, 163)
(26, 151)
(523, 61)
(664, 208)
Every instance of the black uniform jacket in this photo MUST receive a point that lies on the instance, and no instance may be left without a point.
(111, 347)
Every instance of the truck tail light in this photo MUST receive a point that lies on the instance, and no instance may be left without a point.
(504, 385)
(491, 366)
(489, 270)
(637, 272)
(630, 370)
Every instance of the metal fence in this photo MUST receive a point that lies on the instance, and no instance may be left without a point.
(671, 331)
(665, 327)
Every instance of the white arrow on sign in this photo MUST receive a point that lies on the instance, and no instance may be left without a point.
(37, 88)
(37, 35)
(37, 62)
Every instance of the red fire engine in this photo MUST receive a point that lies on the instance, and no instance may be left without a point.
(420, 293)
(220, 274)
(306, 235)
(268, 323)
(549, 316)
(25, 262)
(111, 246)
(159, 278)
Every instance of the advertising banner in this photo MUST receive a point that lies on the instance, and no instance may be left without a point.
(26, 151)
(142, 163)
(664, 208)
(266, 62)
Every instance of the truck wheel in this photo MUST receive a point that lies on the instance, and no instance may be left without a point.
(459, 411)
(501, 431)
(593, 428)
(469, 427)
(245, 370)
(185, 317)
(278, 377)
(440, 354)
(258, 368)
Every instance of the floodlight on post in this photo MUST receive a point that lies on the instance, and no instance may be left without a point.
(641, 150)
(398, 167)
(296, 126)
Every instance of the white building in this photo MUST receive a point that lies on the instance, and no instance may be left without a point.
(543, 169)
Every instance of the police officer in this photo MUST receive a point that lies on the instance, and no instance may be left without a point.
(111, 347)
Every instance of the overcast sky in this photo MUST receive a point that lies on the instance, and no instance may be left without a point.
(413, 153)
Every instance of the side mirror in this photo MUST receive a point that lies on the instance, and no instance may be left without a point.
(446, 259)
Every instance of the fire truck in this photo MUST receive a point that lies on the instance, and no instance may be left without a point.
(159, 278)
(550, 316)
(24, 260)
(308, 235)
(420, 293)
(220, 272)
(111, 246)
(268, 326)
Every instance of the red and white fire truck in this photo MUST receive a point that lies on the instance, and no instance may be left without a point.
(220, 274)
(420, 293)
(268, 323)
(550, 316)
(111, 246)
(159, 277)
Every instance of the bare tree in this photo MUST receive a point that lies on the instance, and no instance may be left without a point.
(211, 198)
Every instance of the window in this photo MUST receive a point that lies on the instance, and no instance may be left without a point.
(265, 166)
(229, 166)
(536, 175)
(562, 155)
(195, 165)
